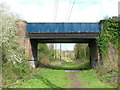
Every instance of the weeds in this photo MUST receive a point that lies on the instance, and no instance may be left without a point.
(90, 79)
(14, 73)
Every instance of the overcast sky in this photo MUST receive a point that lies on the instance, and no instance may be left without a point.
(63, 11)
(47, 10)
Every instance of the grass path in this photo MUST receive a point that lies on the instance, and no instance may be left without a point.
(49, 78)
(75, 83)
(46, 78)
(89, 79)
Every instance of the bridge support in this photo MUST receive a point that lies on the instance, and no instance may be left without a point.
(94, 54)
(31, 52)
(29, 46)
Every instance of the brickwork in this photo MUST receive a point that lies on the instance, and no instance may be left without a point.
(25, 43)
(21, 28)
(27, 47)
(21, 33)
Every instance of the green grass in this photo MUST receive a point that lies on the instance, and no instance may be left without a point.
(49, 78)
(12, 73)
(90, 80)
(68, 64)
(46, 78)
(110, 77)
(54, 78)
(71, 66)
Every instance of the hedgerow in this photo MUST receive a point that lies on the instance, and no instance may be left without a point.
(108, 34)
(13, 62)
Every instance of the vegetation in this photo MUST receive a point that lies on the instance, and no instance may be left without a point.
(45, 55)
(52, 50)
(89, 79)
(13, 59)
(43, 51)
(11, 52)
(12, 73)
(46, 59)
(108, 48)
(81, 51)
(47, 78)
(15, 72)
(71, 66)
(108, 33)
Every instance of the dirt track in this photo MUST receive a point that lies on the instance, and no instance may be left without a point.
(75, 82)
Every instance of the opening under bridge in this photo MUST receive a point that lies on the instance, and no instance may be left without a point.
(60, 32)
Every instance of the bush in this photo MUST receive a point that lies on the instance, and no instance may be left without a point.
(14, 65)
(108, 33)
(13, 72)
(108, 48)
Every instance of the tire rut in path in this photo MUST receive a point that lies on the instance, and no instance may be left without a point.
(74, 80)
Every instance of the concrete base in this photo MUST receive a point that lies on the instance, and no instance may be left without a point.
(32, 63)
(31, 52)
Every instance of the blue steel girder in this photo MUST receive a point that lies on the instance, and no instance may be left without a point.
(62, 27)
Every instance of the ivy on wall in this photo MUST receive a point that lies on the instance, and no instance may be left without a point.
(108, 34)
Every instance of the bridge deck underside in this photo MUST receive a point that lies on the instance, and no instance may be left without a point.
(63, 37)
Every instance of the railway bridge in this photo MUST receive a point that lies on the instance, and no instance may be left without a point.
(58, 32)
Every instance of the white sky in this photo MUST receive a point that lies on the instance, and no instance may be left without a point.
(64, 46)
(46, 10)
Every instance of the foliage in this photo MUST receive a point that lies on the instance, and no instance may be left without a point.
(11, 73)
(81, 51)
(9, 41)
(43, 50)
(52, 50)
(67, 55)
(111, 78)
(71, 66)
(108, 33)
(45, 54)
(90, 80)
(13, 59)
(47, 78)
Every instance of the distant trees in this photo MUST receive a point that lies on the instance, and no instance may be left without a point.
(46, 53)
(68, 54)
(43, 50)
(52, 50)
(81, 51)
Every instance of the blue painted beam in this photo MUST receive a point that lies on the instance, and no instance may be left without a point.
(62, 27)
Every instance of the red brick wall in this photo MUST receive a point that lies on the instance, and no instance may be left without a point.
(21, 33)
(21, 28)
(24, 42)
(28, 51)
